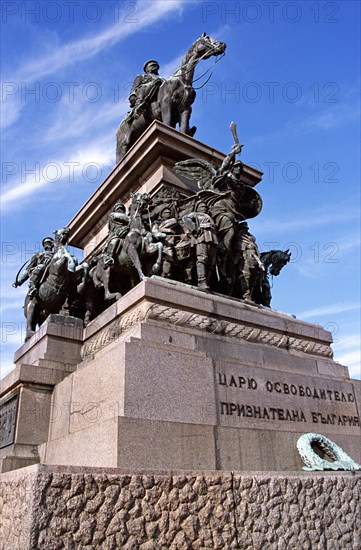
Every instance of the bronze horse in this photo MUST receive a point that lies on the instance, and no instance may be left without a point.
(138, 245)
(273, 262)
(58, 284)
(172, 101)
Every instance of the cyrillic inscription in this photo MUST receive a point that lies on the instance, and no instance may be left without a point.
(263, 413)
(306, 391)
(335, 419)
(276, 389)
(297, 390)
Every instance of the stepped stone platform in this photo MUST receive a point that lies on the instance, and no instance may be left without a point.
(173, 377)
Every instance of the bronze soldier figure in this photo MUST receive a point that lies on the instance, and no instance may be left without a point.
(35, 270)
(205, 241)
(118, 225)
(145, 87)
(250, 266)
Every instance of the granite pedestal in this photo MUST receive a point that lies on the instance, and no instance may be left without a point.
(153, 406)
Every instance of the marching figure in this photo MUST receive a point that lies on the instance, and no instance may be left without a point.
(250, 266)
(205, 241)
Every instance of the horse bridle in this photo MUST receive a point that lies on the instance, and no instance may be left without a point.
(209, 54)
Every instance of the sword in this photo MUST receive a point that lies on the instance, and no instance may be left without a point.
(233, 127)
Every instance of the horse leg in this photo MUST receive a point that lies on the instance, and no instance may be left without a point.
(184, 122)
(122, 148)
(266, 293)
(166, 109)
(105, 280)
(123, 140)
(30, 319)
(158, 264)
(101, 277)
(131, 250)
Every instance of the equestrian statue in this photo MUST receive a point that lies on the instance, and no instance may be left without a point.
(52, 277)
(170, 101)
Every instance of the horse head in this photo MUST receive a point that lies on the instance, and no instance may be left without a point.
(206, 46)
(279, 259)
(139, 202)
(61, 236)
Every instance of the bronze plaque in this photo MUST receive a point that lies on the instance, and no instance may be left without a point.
(8, 412)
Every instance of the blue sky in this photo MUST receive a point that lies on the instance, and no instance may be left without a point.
(290, 79)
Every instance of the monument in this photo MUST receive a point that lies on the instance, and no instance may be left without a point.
(159, 367)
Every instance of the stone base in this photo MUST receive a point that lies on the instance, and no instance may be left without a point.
(170, 377)
(173, 377)
(26, 392)
(67, 507)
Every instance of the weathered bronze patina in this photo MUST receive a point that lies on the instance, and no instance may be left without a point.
(170, 101)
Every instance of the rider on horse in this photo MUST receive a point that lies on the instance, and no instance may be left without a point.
(36, 268)
(145, 87)
(118, 225)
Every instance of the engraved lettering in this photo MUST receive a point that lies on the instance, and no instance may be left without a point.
(233, 382)
(241, 410)
(267, 413)
(252, 384)
(232, 408)
(224, 406)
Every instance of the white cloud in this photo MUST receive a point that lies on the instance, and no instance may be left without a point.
(351, 360)
(332, 309)
(79, 50)
(81, 119)
(352, 340)
(82, 49)
(328, 214)
(66, 168)
(333, 117)
(347, 351)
